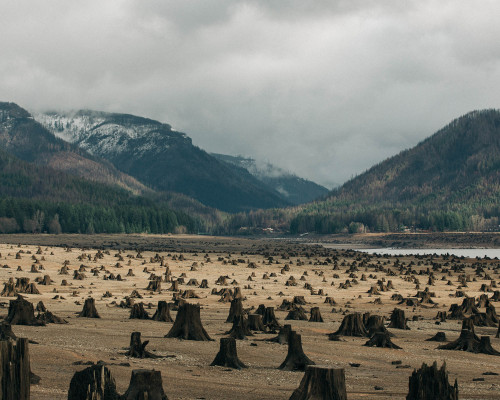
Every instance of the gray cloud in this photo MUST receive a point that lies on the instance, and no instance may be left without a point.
(324, 89)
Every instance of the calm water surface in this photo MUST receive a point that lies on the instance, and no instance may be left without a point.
(472, 253)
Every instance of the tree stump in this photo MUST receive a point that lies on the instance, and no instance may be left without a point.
(374, 324)
(352, 325)
(145, 384)
(40, 307)
(321, 383)
(438, 337)
(484, 347)
(227, 356)
(155, 285)
(240, 329)
(381, 339)
(296, 360)
(89, 310)
(21, 312)
(188, 325)
(6, 331)
(138, 312)
(431, 383)
(498, 331)
(9, 289)
(14, 370)
(255, 323)
(235, 310)
(162, 313)
(469, 306)
(283, 335)
(269, 319)
(315, 315)
(296, 314)
(466, 342)
(93, 383)
(137, 348)
(398, 320)
(48, 318)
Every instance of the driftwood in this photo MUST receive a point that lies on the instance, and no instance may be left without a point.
(188, 325)
(227, 356)
(93, 383)
(431, 383)
(321, 383)
(296, 360)
(14, 370)
(145, 384)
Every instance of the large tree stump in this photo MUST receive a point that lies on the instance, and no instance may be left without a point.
(14, 370)
(21, 312)
(9, 289)
(235, 310)
(48, 318)
(227, 356)
(188, 325)
(138, 312)
(137, 348)
(315, 315)
(162, 313)
(352, 325)
(374, 324)
(321, 383)
(398, 319)
(381, 339)
(93, 383)
(430, 383)
(296, 360)
(484, 347)
(296, 314)
(6, 331)
(145, 384)
(240, 329)
(269, 319)
(466, 342)
(89, 310)
(283, 335)
(255, 323)
(438, 337)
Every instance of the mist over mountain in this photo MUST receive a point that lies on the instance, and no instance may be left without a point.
(162, 158)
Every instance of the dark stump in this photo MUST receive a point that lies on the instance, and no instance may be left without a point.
(6, 331)
(296, 360)
(93, 383)
(321, 383)
(188, 325)
(89, 310)
(398, 319)
(315, 315)
(438, 337)
(467, 341)
(145, 384)
(138, 312)
(283, 335)
(14, 370)
(255, 323)
(352, 325)
(235, 310)
(381, 339)
(269, 319)
(21, 312)
(431, 383)
(227, 356)
(240, 329)
(137, 348)
(162, 313)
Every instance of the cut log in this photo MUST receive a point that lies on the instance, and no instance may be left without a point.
(188, 325)
(381, 339)
(227, 356)
(137, 348)
(93, 383)
(14, 370)
(398, 319)
(145, 385)
(352, 325)
(162, 313)
(321, 383)
(235, 310)
(296, 360)
(89, 310)
(21, 312)
(138, 312)
(431, 383)
(315, 315)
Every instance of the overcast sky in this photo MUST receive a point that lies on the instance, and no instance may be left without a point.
(324, 89)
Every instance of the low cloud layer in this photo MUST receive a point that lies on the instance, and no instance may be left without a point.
(324, 90)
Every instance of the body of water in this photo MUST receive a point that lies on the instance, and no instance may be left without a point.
(471, 253)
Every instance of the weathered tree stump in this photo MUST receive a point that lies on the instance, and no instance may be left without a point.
(381, 339)
(48, 318)
(9, 289)
(235, 310)
(145, 384)
(162, 313)
(89, 310)
(283, 335)
(431, 383)
(227, 356)
(374, 324)
(14, 370)
(137, 348)
(240, 329)
(498, 331)
(466, 342)
(398, 319)
(255, 323)
(441, 316)
(93, 383)
(315, 315)
(484, 347)
(297, 314)
(352, 325)
(469, 306)
(296, 360)
(438, 337)
(6, 331)
(154, 285)
(188, 325)
(21, 312)
(40, 307)
(138, 312)
(321, 383)
(269, 319)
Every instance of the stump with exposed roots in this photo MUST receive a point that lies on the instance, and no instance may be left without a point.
(94, 382)
(352, 325)
(381, 339)
(162, 313)
(296, 360)
(240, 329)
(297, 314)
(137, 348)
(188, 325)
(374, 324)
(22, 312)
(89, 310)
(467, 341)
(283, 335)
(485, 347)
(145, 384)
(438, 337)
(138, 312)
(227, 356)
(6, 331)
(398, 319)
(269, 319)
(14, 370)
(315, 315)
(235, 310)
(321, 383)
(431, 383)
(255, 323)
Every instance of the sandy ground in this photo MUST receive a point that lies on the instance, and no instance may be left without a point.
(187, 375)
